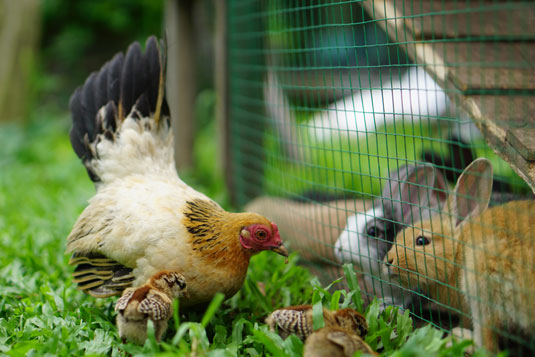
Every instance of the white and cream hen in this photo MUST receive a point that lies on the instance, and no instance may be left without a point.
(143, 218)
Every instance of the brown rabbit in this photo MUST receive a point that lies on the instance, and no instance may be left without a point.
(477, 260)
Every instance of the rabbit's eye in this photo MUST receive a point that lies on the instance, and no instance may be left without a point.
(373, 232)
(421, 240)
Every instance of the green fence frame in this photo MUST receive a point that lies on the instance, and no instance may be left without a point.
(293, 66)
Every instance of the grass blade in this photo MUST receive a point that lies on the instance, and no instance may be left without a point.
(317, 315)
(335, 300)
(353, 283)
(212, 308)
(270, 341)
(176, 315)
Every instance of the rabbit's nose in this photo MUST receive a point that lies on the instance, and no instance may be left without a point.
(390, 260)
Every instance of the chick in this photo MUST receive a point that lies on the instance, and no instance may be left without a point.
(351, 320)
(334, 342)
(299, 321)
(153, 301)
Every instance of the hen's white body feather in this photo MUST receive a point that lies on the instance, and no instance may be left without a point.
(140, 148)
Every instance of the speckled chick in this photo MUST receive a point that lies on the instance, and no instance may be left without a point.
(151, 301)
(298, 320)
(335, 342)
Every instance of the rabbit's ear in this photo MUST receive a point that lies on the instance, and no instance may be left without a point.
(473, 190)
(422, 190)
(390, 196)
(394, 181)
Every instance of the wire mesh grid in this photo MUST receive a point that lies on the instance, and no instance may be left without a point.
(356, 126)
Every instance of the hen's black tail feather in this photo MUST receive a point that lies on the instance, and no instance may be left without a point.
(100, 276)
(109, 95)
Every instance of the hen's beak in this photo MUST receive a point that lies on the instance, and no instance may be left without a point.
(281, 249)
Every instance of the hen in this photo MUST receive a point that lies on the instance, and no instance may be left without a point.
(143, 219)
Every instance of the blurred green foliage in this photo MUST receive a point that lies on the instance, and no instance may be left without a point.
(73, 28)
(79, 36)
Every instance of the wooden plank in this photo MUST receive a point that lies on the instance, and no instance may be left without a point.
(480, 20)
(507, 112)
(476, 67)
(499, 116)
(512, 121)
(460, 19)
(527, 51)
(520, 131)
(487, 65)
(523, 140)
(514, 116)
(524, 168)
(481, 79)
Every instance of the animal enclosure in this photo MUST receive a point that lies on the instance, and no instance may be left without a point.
(351, 123)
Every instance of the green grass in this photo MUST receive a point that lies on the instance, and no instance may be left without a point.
(43, 188)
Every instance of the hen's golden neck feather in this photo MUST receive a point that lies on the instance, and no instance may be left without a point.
(215, 233)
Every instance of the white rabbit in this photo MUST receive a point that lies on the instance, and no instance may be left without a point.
(414, 95)
(410, 193)
(478, 261)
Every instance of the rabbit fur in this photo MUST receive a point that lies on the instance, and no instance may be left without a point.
(368, 236)
(477, 260)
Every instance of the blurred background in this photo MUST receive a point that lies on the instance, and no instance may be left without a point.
(312, 102)
(49, 47)
(295, 81)
(307, 101)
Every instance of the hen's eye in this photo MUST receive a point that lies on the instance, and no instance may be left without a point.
(421, 240)
(260, 234)
(373, 232)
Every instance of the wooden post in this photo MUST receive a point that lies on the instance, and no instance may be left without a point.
(181, 81)
(19, 36)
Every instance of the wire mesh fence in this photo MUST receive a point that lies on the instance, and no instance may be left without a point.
(357, 127)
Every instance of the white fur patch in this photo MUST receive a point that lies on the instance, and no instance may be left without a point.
(354, 246)
(416, 95)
